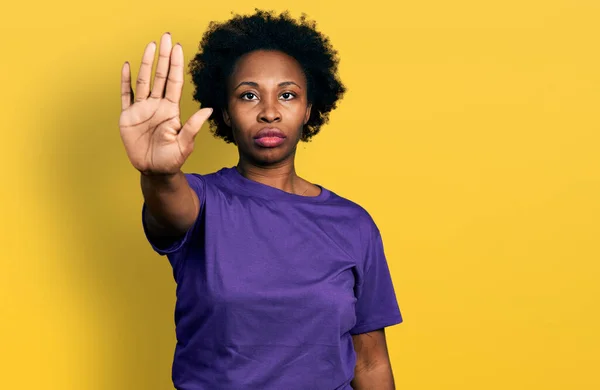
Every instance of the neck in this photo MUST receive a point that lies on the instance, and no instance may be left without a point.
(281, 175)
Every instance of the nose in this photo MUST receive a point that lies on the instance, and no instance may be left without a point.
(269, 111)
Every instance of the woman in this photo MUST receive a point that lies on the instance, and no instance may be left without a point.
(281, 283)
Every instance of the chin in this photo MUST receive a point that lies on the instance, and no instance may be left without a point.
(270, 156)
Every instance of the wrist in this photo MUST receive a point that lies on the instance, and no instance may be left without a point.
(162, 181)
(163, 175)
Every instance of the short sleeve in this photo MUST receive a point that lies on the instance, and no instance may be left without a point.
(376, 305)
(172, 247)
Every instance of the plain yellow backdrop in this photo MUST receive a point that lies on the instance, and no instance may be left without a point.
(470, 131)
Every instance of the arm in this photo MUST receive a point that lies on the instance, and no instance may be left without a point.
(171, 204)
(373, 369)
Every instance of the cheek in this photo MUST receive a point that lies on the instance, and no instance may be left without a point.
(240, 116)
(298, 112)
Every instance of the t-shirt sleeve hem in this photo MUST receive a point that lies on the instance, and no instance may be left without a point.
(175, 244)
(375, 325)
(162, 250)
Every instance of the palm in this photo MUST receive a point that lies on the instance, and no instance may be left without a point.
(151, 130)
(150, 137)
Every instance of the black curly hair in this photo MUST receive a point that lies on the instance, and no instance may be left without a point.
(223, 43)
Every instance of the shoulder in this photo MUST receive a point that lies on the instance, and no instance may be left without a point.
(352, 207)
(210, 179)
(363, 234)
(361, 218)
(205, 177)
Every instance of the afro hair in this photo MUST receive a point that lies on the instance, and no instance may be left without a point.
(224, 43)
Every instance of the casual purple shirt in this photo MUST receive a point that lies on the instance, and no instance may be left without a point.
(271, 286)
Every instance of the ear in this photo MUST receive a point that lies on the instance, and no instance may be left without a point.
(307, 115)
(226, 117)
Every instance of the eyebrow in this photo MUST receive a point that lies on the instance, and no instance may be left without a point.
(255, 85)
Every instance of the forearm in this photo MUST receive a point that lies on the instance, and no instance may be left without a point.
(379, 377)
(171, 204)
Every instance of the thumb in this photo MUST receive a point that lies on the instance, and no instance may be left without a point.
(193, 125)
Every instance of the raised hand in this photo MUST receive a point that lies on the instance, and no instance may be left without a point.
(151, 130)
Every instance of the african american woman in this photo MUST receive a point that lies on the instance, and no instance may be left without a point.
(281, 283)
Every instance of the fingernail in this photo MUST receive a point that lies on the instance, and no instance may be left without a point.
(168, 33)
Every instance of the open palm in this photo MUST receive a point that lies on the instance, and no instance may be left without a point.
(151, 130)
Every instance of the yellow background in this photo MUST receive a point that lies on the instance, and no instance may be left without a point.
(470, 131)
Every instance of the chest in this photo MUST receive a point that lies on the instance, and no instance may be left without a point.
(273, 271)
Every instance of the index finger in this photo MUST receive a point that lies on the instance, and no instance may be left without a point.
(175, 79)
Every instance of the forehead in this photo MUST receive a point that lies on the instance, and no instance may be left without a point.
(267, 65)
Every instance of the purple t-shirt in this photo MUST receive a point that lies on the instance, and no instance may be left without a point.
(271, 286)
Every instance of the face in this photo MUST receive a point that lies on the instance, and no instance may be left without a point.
(267, 106)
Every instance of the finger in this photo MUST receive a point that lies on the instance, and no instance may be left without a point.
(175, 78)
(142, 84)
(192, 126)
(126, 91)
(162, 69)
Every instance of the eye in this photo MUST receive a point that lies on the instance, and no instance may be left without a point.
(287, 96)
(248, 96)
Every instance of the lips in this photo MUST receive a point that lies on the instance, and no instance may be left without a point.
(269, 137)
(269, 132)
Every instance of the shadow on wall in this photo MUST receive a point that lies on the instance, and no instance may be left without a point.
(120, 279)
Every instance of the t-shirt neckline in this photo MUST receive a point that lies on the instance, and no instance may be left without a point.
(255, 188)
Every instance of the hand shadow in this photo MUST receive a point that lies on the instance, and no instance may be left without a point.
(120, 279)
